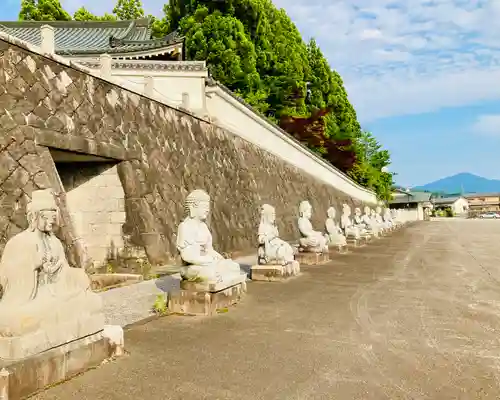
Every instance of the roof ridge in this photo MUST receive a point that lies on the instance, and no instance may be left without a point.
(126, 33)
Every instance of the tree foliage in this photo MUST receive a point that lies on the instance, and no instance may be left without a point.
(128, 9)
(42, 10)
(255, 50)
(82, 14)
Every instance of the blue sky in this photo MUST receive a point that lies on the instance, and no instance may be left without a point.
(423, 75)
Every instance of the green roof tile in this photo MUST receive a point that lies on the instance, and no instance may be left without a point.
(92, 37)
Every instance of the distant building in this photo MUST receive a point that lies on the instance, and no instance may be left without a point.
(458, 204)
(483, 201)
(407, 199)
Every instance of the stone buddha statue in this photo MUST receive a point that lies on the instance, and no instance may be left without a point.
(386, 217)
(378, 223)
(335, 234)
(194, 242)
(272, 249)
(360, 221)
(311, 240)
(368, 219)
(45, 302)
(347, 224)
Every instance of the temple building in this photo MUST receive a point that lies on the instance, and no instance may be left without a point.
(122, 40)
(125, 51)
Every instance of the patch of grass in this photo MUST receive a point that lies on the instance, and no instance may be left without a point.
(160, 305)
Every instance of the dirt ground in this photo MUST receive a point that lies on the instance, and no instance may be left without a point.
(411, 316)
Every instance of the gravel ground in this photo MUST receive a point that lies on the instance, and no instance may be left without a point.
(129, 304)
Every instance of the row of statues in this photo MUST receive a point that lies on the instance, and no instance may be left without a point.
(40, 289)
(202, 263)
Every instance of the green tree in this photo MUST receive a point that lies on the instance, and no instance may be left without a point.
(128, 9)
(82, 14)
(42, 10)
(222, 42)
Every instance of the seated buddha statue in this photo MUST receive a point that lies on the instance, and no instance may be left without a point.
(43, 297)
(272, 249)
(335, 234)
(347, 224)
(194, 243)
(369, 221)
(311, 240)
(361, 222)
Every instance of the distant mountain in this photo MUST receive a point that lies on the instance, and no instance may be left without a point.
(469, 183)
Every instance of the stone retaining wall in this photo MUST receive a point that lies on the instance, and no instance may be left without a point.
(161, 153)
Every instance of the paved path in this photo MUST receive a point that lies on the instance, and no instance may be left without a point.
(414, 316)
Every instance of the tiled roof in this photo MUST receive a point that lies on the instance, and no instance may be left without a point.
(411, 197)
(92, 37)
(474, 195)
(445, 200)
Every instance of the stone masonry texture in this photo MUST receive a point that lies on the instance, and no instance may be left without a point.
(161, 153)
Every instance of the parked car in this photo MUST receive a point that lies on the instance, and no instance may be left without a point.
(489, 215)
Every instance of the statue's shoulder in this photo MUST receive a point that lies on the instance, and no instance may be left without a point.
(25, 237)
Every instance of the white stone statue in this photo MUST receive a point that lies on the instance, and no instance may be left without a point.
(335, 234)
(368, 219)
(311, 240)
(361, 222)
(387, 218)
(194, 242)
(377, 221)
(347, 225)
(272, 250)
(45, 302)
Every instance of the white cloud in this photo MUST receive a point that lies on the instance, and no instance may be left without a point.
(407, 56)
(487, 125)
(396, 56)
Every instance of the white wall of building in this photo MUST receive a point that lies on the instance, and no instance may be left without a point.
(460, 206)
(229, 113)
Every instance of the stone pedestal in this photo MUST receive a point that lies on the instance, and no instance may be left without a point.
(353, 242)
(272, 272)
(21, 347)
(194, 299)
(339, 248)
(32, 374)
(309, 258)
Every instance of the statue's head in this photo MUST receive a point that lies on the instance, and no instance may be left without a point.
(378, 210)
(267, 214)
(367, 210)
(357, 211)
(305, 209)
(42, 211)
(331, 212)
(197, 204)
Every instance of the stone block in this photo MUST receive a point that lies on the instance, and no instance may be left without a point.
(271, 272)
(340, 249)
(352, 242)
(213, 287)
(205, 303)
(308, 258)
(19, 347)
(32, 374)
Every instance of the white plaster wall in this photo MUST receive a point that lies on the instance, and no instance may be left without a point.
(458, 206)
(169, 89)
(230, 114)
(97, 208)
